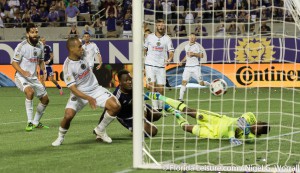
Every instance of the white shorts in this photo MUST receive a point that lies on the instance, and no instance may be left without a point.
(194, 72)
(100, 94)
(35, 84)
(155, 74)
(72, 20)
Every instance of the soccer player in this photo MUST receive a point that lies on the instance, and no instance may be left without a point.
(124, 94)
(28, 54)
(91, 51)
(48, 59)
(215, 126)
(192, 66)
(84, 89)
(155, 48)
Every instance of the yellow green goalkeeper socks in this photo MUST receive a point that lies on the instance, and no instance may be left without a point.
(180, 120)
(174, 103)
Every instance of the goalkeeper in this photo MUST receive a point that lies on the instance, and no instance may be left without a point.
(215, 126)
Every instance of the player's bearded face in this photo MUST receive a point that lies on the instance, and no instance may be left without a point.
(33, 36)
(160, 27)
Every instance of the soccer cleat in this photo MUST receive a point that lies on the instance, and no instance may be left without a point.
(102, 136)
(151, 95)
(58, 142)
(40, 126)
(180, 100)
(29, 127)
(61, 92)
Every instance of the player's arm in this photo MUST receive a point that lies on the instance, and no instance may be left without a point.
(42, 62)
(198, 55)
(71, 84)
(80, 94)
(182, 61)
(98, 54)
(19, 69)
(50, 59)
(100, 61)
(171, 56)
(231, 134)
(171, 51)
(42, 66)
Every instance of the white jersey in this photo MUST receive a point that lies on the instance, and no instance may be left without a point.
(90, 52)
(157, 49)
(28, 57)
(192, 61)
(79, 73)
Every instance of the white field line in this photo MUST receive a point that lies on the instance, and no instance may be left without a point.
(207, 151)
(50, 119)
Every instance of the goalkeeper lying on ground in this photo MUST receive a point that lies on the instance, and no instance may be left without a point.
(215, 126)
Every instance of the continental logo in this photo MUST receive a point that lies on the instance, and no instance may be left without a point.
(254, 50)
(245, 75)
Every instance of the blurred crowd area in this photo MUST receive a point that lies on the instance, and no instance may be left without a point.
(113, 18)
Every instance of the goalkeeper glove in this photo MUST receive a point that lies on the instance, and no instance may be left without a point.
(244, 125)
(235, 142)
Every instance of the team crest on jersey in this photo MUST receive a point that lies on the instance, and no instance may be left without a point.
(68, 79)
(25, 83)
(74, 98)
(34, 53)
(83, 66)
(149, 79)
(158, 43)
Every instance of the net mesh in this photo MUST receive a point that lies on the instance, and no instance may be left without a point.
(253, 46)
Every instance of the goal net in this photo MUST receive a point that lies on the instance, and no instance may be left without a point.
(253, 46)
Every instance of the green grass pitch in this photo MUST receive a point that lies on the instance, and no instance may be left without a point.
(22, 151)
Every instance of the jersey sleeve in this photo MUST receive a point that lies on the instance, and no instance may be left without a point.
(42, 56)
(170, 45)
(19, 52)
(50, 49)
(199, 49)
(96, 49)
(231, 131)
(146, 44)
(68, 75)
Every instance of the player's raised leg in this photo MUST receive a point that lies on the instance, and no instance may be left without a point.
(112, 107)
(182, 90)
(40, 112)
(64, 126)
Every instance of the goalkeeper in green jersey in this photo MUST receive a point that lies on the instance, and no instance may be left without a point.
(215, 126)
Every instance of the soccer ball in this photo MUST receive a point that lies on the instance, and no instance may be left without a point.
(218, 87)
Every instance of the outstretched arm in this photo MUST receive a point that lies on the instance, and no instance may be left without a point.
(80, 94)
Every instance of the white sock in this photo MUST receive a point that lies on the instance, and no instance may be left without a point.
(206, 83)
(29, 109)
(39, 113)
(155, 104)
(62, 132)
(181, 92)
(107, 119)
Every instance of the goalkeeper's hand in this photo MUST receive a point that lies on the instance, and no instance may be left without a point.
(244, 125)
(235, 142)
